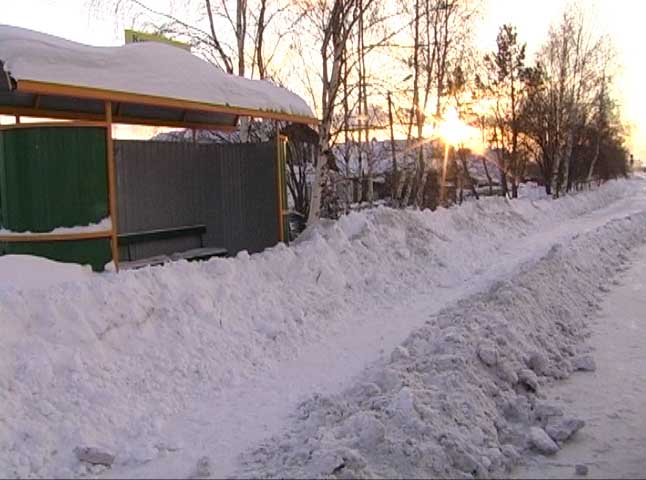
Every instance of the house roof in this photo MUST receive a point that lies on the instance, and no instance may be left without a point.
(148, 83)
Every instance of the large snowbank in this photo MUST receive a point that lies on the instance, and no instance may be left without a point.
(147, 68)
(107, 361)
(24, 272)
(461, 398)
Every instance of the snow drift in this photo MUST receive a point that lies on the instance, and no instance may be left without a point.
(31, 273)
(461, 398)
(108, 361)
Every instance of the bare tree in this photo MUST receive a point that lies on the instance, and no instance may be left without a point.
(226, 59)
(571, 61)
(234, 29)
(335, 20)
(440, 30)
(223, 31)
(568, 99)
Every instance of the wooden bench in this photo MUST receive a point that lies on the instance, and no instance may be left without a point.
(201, 253)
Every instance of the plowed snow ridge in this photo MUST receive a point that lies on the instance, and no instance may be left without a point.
(168, 364)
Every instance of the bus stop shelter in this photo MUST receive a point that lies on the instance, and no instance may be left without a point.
(58, 180)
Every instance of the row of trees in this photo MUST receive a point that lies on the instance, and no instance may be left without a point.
(390, 70)
(558, 112)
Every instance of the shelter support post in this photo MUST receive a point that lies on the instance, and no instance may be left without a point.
(112, 185)
(281, 145)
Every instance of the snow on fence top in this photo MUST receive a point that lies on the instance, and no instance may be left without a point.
(147, 69)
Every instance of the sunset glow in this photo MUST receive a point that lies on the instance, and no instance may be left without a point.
(459, 134)
(621, 19)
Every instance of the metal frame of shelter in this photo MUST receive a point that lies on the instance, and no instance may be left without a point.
(93, 107)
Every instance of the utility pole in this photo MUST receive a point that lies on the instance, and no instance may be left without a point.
(395, 175)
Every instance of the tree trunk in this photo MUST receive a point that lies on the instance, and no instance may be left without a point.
(421, 190)
(503, 183)
(260, 37)
(422, 176)
(228, 65)
(401, 182)
(547, 178)
(335, 32)
(468, 177)
(489, 179)
(241, 30)
(320, 174)
(409, 190)
(562, 163)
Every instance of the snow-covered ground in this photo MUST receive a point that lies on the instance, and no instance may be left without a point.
(171, 365)
(25, 273)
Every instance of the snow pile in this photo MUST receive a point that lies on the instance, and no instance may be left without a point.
(532, 191)
(461, 398)
(106, 362)
(24, 272)
(147, 68)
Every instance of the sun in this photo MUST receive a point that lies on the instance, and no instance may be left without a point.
(452, 129)
(456, 133)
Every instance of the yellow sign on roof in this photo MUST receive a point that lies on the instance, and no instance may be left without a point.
(133, 36)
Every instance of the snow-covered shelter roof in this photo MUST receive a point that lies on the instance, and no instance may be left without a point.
(148, 83)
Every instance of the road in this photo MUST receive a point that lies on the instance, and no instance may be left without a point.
(612, 400)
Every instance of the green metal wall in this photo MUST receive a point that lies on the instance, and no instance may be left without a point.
(54, 177)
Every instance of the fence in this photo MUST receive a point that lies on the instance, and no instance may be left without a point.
(230, 188)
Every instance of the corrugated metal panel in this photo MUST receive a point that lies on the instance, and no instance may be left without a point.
(229, 188)
(3, 190)
(53, 177)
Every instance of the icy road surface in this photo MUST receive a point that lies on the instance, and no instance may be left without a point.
(613, 398)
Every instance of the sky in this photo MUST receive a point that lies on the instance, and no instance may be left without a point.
(623, 20)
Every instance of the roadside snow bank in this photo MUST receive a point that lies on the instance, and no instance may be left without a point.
(105, 362)
(461, 398)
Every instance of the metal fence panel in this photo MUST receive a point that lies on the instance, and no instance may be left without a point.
(229, 188)
(52, 177)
